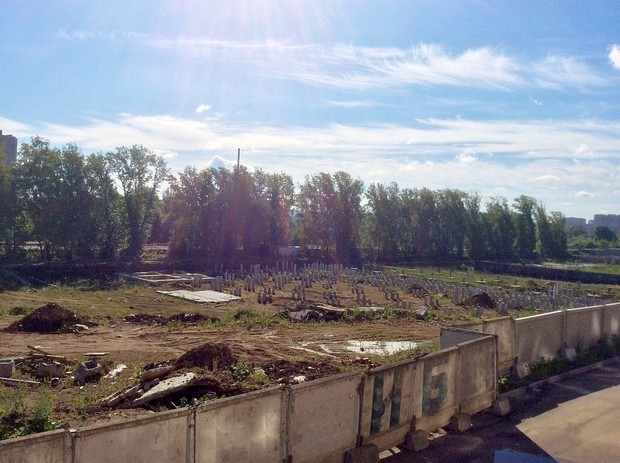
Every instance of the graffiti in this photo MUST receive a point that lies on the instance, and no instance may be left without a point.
(391, 401)
(435, 385)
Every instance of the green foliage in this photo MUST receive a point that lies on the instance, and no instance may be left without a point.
(19, 418)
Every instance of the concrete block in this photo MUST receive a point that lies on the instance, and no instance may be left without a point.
(460, 422)
(367, 453)
(568, 353)
(50, 370)
(416, 441)
(7, 368)
(501, 406)
(519, 370)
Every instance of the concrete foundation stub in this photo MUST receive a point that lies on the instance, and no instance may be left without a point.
(501, 406)
(568, 353)
(519, 370)
(416, 441)
(367, 453)
(460, 422)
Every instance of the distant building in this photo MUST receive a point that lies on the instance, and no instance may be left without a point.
(10, 147)
(611, 221)
(574, 222)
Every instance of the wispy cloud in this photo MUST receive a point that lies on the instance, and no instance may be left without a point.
(351, 67)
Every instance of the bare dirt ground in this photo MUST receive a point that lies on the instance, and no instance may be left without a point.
(258, 336)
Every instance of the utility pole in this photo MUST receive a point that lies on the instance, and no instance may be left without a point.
(238, 157)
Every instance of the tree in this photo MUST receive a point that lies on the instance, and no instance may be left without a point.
(499, 229)
(525, 242)
(140, 173)
(474, 229)
(604, 233)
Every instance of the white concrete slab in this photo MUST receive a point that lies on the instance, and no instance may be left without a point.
(201, 296)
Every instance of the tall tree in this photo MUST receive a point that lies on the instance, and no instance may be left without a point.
(525, 243)
(500, 231)
(140, 173)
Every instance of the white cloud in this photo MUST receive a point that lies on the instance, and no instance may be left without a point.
(614, 55)
(220, 162)
(466, 157)
(584, 194)
(202, 108)
(546, 179)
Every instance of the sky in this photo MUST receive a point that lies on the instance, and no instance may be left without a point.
(497, 98)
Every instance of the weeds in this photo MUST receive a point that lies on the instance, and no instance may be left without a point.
(18, 418)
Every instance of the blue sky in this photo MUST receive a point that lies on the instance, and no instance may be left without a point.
(499, 98)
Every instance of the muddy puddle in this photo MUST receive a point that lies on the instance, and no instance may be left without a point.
(362, 347)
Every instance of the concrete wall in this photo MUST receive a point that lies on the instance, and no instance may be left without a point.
(584, 326)
(163, 437)
(387, 404)
(611, 320)
(435, 389)
(324, 418)
(504, 330)
(476, 374)
(539, 336)
(46, 447)
(454, 335)
(244, 428)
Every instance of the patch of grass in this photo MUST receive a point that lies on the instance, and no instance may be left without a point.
(250, 318)
(411, 354)
(20, 417)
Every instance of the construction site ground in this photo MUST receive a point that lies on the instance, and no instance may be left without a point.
(136, 326)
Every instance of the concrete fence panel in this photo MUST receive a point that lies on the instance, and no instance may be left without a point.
(476, 375)
(164, 437)
(387, 404)
(611, 317)
(539, 336)
(454, 335)
(46, 447)
(584, 326)
(245, 428)
(435, 389)
(504, 330)
(324, 416)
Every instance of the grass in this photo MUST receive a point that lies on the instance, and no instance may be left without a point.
(20, 416)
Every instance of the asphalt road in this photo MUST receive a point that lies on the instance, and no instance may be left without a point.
(574, 420)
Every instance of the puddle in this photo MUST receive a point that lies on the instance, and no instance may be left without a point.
(381, 348)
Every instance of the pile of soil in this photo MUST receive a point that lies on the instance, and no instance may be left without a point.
(185, 318)
(212, 356)
(51, 318)
(480, 300)
(285, 371)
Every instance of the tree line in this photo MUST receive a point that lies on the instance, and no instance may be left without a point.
(107, 206)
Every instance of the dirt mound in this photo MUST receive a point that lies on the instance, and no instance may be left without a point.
(212, 356)
(146, 319)
(191, 318)
(287, 372)
(51, 318)
(186, 318)
(480, 300)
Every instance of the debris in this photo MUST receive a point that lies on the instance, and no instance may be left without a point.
(91, 370)
(115, 371)
(155, 373)
(164, 388)
(7, 368)
(50, 318)
(480, 300)
(307, 312)
(118, 397)
(50, 370)
(17, 382)
(212, 356)
(420, 314)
